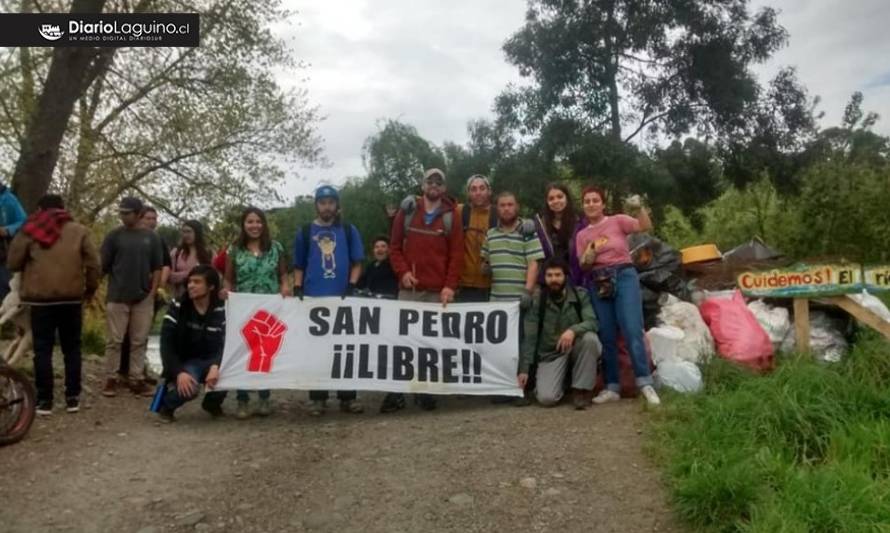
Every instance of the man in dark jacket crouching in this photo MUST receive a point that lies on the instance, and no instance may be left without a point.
(192, 340)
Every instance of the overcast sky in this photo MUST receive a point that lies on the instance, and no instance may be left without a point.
(436, 65)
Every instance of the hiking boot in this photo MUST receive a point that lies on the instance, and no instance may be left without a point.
(213, 408)
(580, 400)
(140, 388)
(392, 402)
(606, 396)
(264, 407)
(651, 396)
(72, 404)
(352, 406)
(521, 402)
(242, 412)
(110, 388)
(425, 401)
(44, 407)
(165, 415)
(316, 408)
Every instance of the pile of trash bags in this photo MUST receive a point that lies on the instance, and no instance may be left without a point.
(682, 335)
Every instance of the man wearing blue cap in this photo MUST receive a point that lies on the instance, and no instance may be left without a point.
(328, 257)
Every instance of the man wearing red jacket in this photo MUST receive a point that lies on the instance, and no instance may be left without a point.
(426, 253)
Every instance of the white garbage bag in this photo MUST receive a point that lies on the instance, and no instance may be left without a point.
(827, 342)
(697, 344)
(664, 341)
(679, 375)
(774, 320)
(872, 303)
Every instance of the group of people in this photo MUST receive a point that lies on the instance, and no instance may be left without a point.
(572, 274)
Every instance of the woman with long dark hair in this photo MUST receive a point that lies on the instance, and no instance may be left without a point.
(614, 287)
(255, 264)
(556, 224)
(191, 252)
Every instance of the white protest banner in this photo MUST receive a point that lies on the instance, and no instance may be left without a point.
(370, 344)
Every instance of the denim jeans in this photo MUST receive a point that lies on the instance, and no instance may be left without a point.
(243, 396)
(198, 369)
(623, 312)
(67, 319)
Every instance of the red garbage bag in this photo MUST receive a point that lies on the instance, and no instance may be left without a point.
(626, 377)
(738, 335)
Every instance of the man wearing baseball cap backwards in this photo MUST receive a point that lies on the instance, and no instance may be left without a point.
(427, 253)
(132, 258)
(328, 257)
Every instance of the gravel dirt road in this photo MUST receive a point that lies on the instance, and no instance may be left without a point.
(469, 466)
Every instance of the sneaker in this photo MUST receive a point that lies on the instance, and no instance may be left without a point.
(264, 407)
(242, 413)
(651, 396)
(212, 408)
(392, 402)
(352, 406)
(316, 408)
(425, 401)
(141, 388)
(606, 396)
(72, 404)
(165, 415)
(580, 400)
(44, 407)
(110, 388)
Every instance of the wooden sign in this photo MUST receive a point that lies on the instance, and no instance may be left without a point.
(876, 278)
(802, 281)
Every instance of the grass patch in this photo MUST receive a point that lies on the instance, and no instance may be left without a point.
(806, 448)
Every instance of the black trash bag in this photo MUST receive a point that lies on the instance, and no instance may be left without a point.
(660, 266)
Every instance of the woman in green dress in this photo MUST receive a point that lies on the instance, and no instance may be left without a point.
(255, 264)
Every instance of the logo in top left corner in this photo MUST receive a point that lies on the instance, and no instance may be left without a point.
(50, 32)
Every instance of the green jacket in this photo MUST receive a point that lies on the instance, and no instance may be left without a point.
(557, 319)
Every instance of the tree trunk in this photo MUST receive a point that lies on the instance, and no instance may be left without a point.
(69, 76)
(612, 72)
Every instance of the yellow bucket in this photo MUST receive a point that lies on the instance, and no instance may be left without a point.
(700, 253)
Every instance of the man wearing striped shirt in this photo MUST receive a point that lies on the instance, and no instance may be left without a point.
(511, 253)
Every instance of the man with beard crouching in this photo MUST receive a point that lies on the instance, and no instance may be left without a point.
(560, 334)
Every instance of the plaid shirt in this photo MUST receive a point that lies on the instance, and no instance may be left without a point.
(45, 225)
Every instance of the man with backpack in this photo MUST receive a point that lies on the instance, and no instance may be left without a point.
(427, 253)
(560, 334)
(477, 217)
(328, 255)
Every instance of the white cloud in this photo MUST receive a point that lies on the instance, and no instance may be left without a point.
(437, 65)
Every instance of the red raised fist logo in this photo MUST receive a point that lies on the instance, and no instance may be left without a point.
(263, 334)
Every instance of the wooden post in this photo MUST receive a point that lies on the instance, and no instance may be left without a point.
(863, 314)
(802, 324)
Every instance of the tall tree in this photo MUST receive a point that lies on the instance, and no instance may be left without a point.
(71, 71)
(193, 130)
(630, 66)
(396, 156)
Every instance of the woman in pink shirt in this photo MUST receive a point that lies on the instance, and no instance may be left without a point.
(192, 251)
(614, 287)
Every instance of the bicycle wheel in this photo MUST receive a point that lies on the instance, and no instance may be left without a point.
(17, 405)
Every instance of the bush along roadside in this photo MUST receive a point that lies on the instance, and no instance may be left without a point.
(805, 448)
